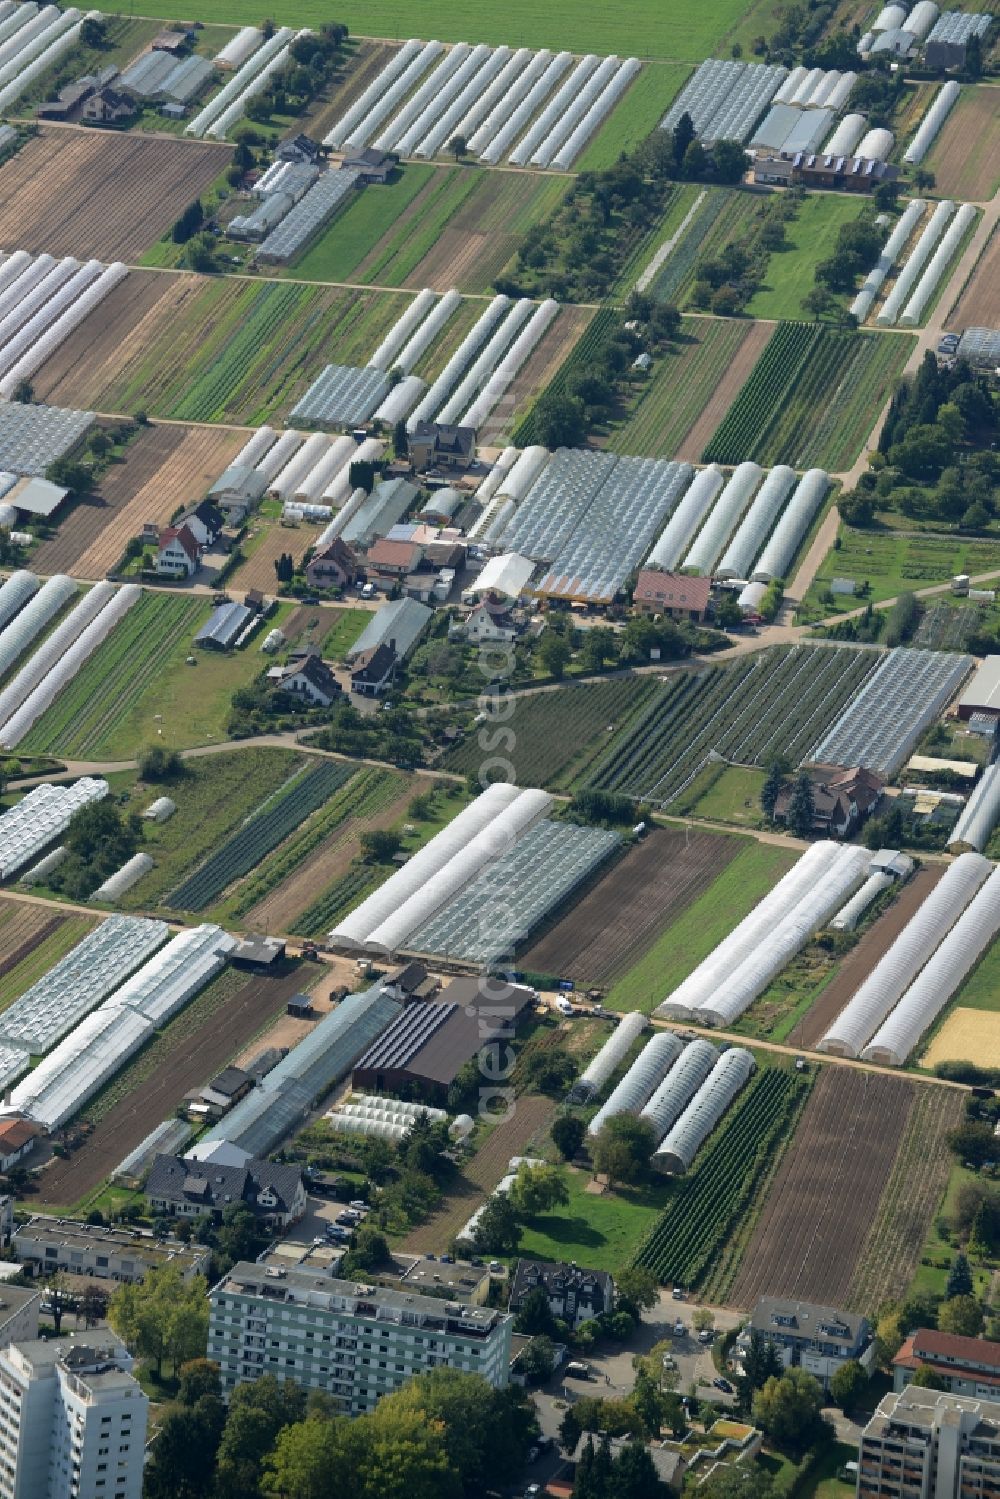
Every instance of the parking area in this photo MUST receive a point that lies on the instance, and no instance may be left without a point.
(320, 1213)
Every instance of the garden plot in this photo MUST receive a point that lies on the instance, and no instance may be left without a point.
(101, 192)
(770, 703)
(806, 369)
(530, 108)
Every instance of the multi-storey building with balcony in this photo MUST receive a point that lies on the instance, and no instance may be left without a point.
(72, 1421)
(926, 1444)
(358, 1342)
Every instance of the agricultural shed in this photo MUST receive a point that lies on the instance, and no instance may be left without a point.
(930, 764)
(398, 624)
(427, 1044)
(786, 128)
(223, 626)
(37, 497)
(342, 395)
(981, 347)
(384, 508)
(33, 436)
(308, 216)
(507, 574)
(983, 693)
(239, 484)
(257, 951)
(289, 1091)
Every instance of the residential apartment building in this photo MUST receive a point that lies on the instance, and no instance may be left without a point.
(968, 1366)
(358, 1342)
(815, 1338)
(72, 1421)
(45, 1245)
(926, 1444)
(19, 1308)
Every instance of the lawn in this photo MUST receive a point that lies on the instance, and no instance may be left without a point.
(688, 940)
(214, 795)
(347, 627)
(933, 1276)
(678, 31)
(725, 793)
(601, 1231)
(893, 563)
(640, 111)
(981, 990)
(358, 229)
(811, 238)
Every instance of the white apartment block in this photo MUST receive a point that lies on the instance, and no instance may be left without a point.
(926, 1444)
(358, 1342)
(72, 1422)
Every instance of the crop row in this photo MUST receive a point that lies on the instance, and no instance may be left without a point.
(83, 716)
(259, 835)
(336, 901)
(208, 398)
(774, 703)
(671, 402)
(778, 372)
(365, 793)
(709, 1201)
(582, 358)
(541, 747)
(697, 242)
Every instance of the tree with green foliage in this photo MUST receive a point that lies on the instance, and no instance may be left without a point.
(959, 1278)
(636, 1286)
(788, 1409)
(730, 161)
(927, 1378)
(550, 1070)
(93, 33)
(379, 845)
(400, 440)
(189, 223)
(568, 1132)
(182, 1459)
(802, 807)
(534, 1316)
(961, 1315)
(537, 1189)
(259, 1412)
(538, 1360)
(157, 763)
(848, 1384)
(773, 785)
(559, 420)
(162, 1317)
(622, 1148)
(975, 1143)
(682, 137)
(554, 654)
(760, 1363)
(497, 1231)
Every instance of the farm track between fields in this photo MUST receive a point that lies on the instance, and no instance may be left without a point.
(195, 1059)
(862, 958)
(826, 1194)
(621, 916)
(100, 193)
(162, 468)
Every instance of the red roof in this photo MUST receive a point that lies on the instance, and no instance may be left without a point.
(184, 538)
(672, 590)
(952, 1351)
(17, 1132)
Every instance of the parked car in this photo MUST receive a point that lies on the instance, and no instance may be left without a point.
(678, 1293)
(679, 1328)
(576, 1369)
(564, 1007)
(358, 1204)
(723, 1385)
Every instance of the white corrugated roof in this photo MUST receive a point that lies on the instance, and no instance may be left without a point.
(508, 574)
(984, 689)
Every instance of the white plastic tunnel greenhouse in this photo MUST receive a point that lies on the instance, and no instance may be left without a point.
(476, 82)
(689, 515)
(239, 81)
(852, 911)
(554, 110)
(708, 544)
(927, 996)
(501, 86)
(15, 593)
(236, 51)
(379, 101)
(786, 538)
(601, 1067)
(16, 637)
(509, 366)
(494, 149)
(503, 331)
(431, 88)
(930, 125)
(889, 254)
(679, 1086)
(641, 1080)
(914, 264)
(423, 336)
(846, 136)
(383, 357)
(377, 90)
(681, 1144)
(439, 100)
(980, 814)
(875, 998)
(756, 524)
(939, 262)
(876, 145)
(439, 390)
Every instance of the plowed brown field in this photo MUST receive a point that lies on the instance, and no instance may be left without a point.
(620, 917)
(862, 959)
(98, 193)
(979, 304)
(822, 1203)
(163, 468)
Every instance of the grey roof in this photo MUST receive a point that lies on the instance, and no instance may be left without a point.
(897, 40)
(788, 128)
(32, 437)
(157, 74)
(958, 26)
(385, 506)
(342, 395)
(224, 625)
(804, 1319)
(557, 1278)
(180, 1180)
(403, 620)
(309, 214)
(725, 99)
(980, 346)
(241, 480)
(288, 1092)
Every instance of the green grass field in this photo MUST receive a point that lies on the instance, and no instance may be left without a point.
(640, 111)
(893, 564)
(811, 238)
(370, 215)
(601, 1231)
(683, 945)
(981, 990)
(677, 32)
(725, 793)
(348, 626)
(668, 403)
